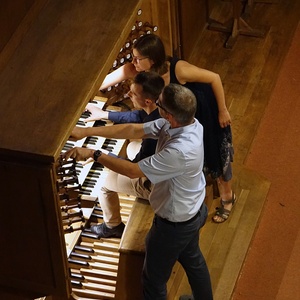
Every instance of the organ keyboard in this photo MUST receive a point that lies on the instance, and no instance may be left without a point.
(93, 264)
(88, 273)
(91, 176)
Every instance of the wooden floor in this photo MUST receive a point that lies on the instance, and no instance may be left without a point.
(249, 71)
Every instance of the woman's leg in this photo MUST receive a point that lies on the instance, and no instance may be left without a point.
(227, 195)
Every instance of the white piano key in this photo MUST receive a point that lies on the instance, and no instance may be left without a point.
(70, 144)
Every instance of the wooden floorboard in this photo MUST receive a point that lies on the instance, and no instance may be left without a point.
(249, 72)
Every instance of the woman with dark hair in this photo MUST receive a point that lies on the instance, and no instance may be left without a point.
(148, 54)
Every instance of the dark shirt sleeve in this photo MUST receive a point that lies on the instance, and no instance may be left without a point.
(148, 145)
(134, 116)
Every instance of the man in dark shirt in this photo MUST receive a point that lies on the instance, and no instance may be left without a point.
(144, 91)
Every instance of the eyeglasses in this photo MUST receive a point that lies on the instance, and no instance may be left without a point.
(138, 59)
(160, 106)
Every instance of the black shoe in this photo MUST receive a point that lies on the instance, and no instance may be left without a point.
(104, 232)
(186, 297)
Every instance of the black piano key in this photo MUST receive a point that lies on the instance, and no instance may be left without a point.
(69, 144)
(85, 114)
(93, 177)
(86, 184)
(80, 123)
(99, 123)
(88, 179)
(97, 167)
(78, 262)
(108, 148)
(98, 216)
(91, 140)
(86, 191)
(110, 141)
(98, 208)
(77, 276)
(75, 283)
(89, 235)
(80, 256)
(84, 249)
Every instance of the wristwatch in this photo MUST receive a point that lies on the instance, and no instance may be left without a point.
(97, 154)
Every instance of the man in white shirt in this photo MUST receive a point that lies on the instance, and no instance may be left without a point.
(177, 195)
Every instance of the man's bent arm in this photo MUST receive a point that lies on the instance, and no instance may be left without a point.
(118, 131)
(121, 166)
(118, 165)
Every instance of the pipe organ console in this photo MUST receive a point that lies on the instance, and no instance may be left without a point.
(48, 205)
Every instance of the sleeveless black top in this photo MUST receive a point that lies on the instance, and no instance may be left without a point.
(218, 148)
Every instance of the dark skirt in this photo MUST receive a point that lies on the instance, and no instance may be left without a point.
(218, 148)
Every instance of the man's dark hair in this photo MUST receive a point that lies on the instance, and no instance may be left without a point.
(152, 84)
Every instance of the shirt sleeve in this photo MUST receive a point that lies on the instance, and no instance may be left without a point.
(167, 163)
(125, 116)
(153, 128)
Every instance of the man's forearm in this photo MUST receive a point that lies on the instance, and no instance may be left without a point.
(118, 165)
(119, 131)
(121, 166)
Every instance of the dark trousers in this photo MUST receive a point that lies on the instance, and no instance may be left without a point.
(168, 242)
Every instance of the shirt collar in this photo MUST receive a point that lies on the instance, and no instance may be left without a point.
(183, 129)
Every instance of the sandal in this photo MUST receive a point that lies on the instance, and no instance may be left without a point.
(222, 212)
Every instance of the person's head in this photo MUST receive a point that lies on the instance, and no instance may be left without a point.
(148, 53)
(145, 89)
(179, 102)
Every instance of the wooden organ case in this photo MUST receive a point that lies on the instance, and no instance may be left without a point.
(57, 66)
